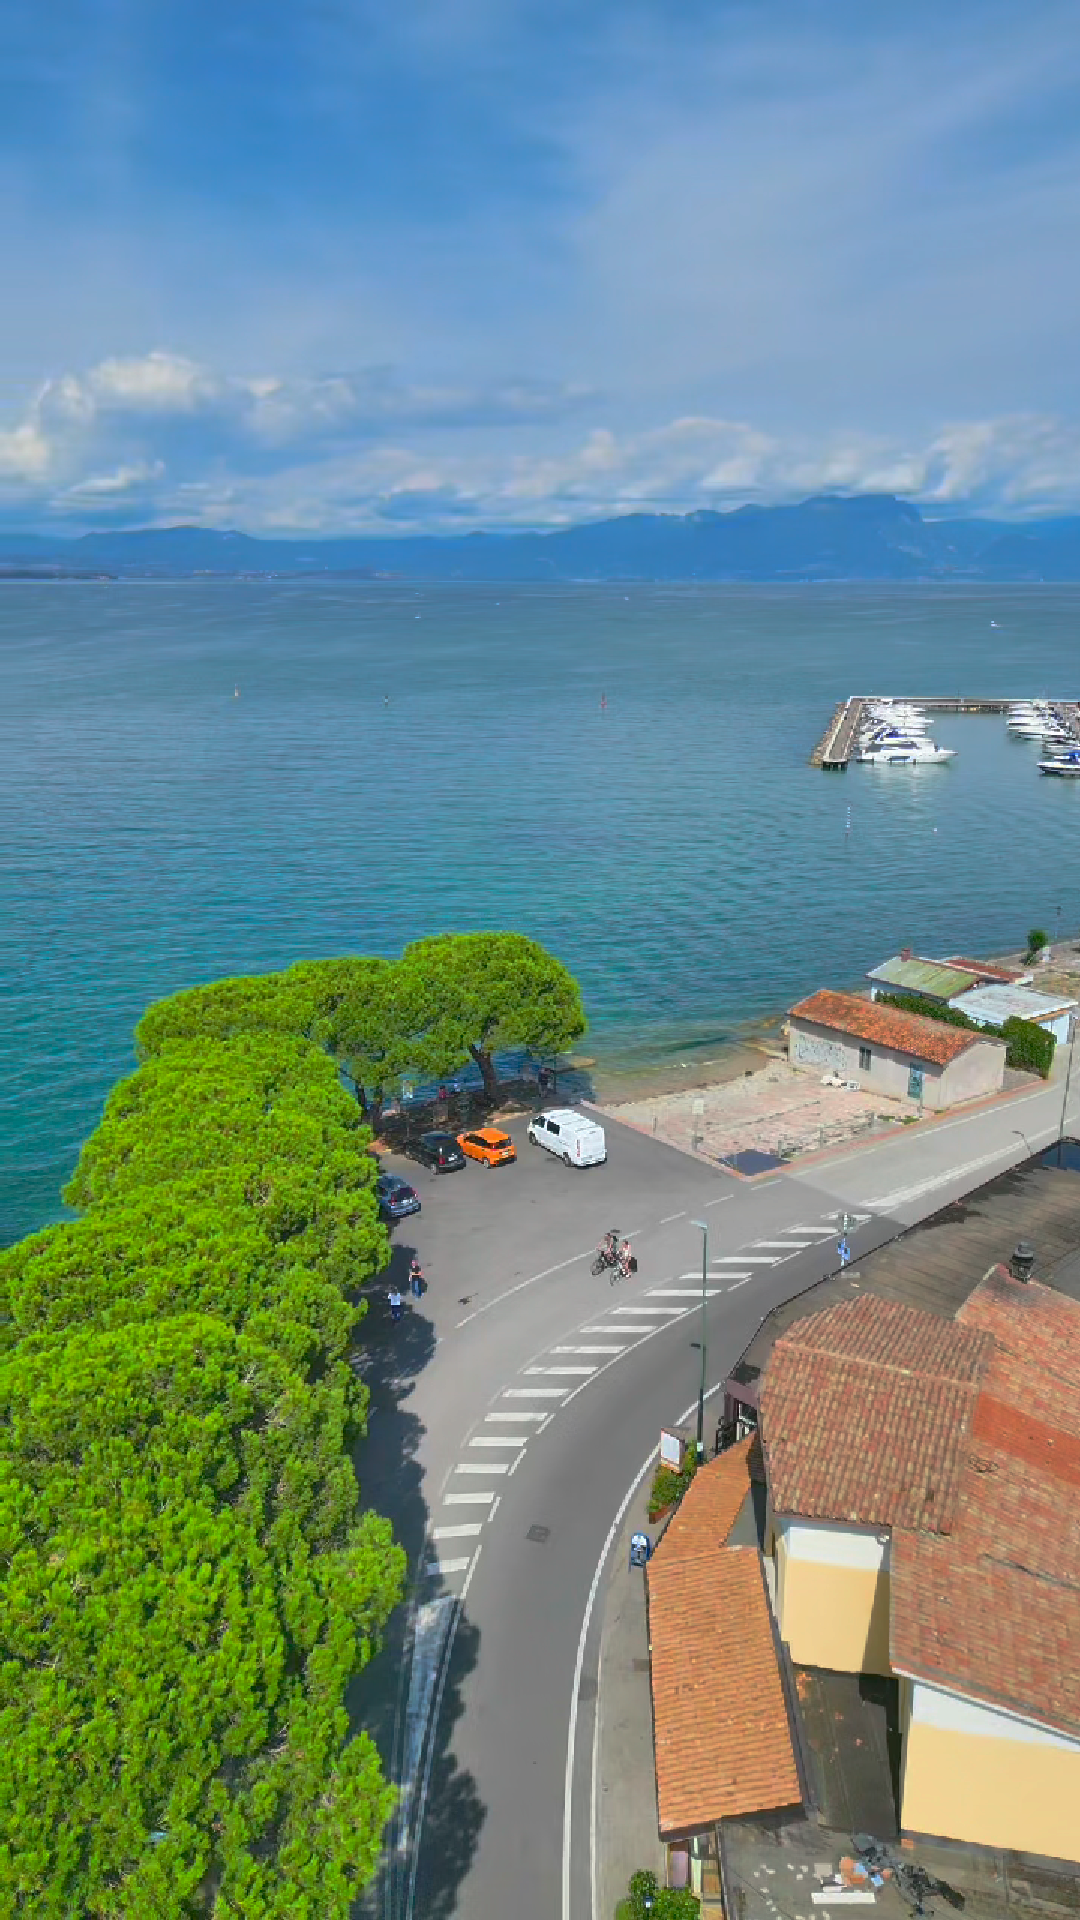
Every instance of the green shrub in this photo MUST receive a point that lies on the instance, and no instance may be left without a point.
(910, 1003)
(1030, 1047)
(1037, 939)
(668, 1486)
(668, 1903)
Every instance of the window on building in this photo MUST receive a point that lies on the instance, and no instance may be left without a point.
(864, 1059)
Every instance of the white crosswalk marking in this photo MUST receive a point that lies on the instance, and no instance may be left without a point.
(650, 1310)
(588, 1349)
(437, 1567)
(744, 1260)
(682, 1293)
(498, 1440)
(574, 1372)
(469, 1499)
(467, 1532)
(489, 1466)
(534, 1393)
(785, 1246)
(624, 1328)
(693, 1274)
(520, 1414)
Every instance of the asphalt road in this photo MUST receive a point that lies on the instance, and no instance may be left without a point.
(513, 1408)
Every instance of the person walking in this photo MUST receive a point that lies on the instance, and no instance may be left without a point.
(416, 1279)
(397, 1304)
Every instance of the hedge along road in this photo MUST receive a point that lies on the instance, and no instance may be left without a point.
(530, 1392)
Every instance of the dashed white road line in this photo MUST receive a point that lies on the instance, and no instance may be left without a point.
(469, 1499)
(437, 1567)
(498, 1440)
(468, 1531)
(520, 1414)
(744, 1282)
(488, 1466)
(669, 1217)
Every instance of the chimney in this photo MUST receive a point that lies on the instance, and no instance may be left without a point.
(907, 953)
(1022, 1261)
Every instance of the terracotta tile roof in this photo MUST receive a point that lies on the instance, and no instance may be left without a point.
(723, 1741)
(868, 1020)
(993, 1610)
(865, 1413)
(710, 1506)
(1007, 975)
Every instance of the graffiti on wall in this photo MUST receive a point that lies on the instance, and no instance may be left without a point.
(813, 1050)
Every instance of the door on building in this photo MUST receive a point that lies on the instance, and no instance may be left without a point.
(914, 1083)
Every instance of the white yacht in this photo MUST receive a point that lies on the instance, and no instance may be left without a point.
(1065, 765)
(909, 718)
(906, 753)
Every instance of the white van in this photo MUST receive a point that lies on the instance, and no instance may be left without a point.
(576, 1139)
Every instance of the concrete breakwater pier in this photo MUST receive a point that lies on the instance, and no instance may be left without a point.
(839, 742)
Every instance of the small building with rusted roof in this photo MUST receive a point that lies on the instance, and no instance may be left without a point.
(886, 1050)
(924, 1516)
(722, 1719)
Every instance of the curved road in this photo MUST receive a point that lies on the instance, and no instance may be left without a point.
(512, 1411)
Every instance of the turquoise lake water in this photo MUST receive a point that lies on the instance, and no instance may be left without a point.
(674, 848)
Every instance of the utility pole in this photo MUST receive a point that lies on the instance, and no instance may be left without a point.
(703, 1225)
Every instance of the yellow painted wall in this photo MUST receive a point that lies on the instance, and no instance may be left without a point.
(835, 1617)
(995, 1793)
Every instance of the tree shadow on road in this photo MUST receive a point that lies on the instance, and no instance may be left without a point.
(454, 1814)
(388, 1358)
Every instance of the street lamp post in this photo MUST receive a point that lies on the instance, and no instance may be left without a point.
(703, 1225)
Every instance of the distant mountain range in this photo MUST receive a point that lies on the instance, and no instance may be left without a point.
(868, 537)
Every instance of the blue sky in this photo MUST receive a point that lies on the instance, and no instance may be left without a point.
(350, 267)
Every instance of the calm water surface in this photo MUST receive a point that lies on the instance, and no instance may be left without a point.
(401, 761)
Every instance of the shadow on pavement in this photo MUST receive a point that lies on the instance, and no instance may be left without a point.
(387, 1357)
(454, 1814)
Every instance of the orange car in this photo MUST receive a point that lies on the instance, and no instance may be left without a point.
(488, 1145)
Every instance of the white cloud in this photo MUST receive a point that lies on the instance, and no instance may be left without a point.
(161, 437)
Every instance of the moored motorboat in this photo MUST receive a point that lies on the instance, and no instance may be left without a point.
(906, 753)
(1065, 765)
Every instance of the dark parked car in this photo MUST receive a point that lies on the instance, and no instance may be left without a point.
(395, 1196)
(439, 1151)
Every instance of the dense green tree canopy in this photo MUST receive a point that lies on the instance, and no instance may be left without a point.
(463, 995)
(225, 1009)
(187, 1593)
(187, 1581)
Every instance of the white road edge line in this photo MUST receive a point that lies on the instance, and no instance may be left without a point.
(531, 1281)
(433, 1721)
(571, 1742)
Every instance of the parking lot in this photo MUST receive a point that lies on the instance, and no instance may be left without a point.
(482, 1230)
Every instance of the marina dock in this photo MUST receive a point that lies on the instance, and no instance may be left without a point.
(839, 742)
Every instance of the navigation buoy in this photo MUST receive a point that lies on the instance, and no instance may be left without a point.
(603, 701)
(236, 693)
